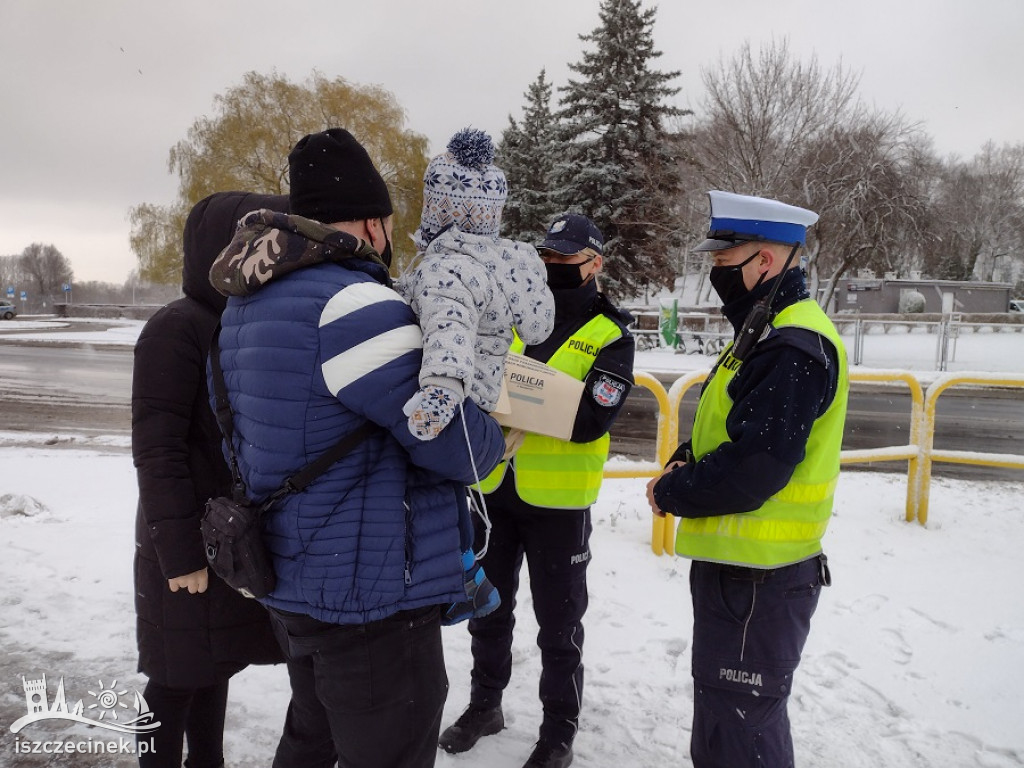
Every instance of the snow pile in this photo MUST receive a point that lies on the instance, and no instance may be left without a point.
(12, 504)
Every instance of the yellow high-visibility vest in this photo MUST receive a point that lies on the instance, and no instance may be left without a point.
(553, 473)
(789, 526)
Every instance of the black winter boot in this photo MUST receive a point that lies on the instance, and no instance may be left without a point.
(472, 725)
(550, 754)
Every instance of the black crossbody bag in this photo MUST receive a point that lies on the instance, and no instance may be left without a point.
(231, 526)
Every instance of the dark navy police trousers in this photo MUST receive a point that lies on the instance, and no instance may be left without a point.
(556, 545)
(749, 629)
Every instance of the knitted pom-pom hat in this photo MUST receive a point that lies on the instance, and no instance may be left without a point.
(463, 187)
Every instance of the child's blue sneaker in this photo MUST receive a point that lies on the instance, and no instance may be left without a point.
(481, 596)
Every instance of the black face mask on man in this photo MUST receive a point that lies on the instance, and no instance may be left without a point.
(728, 281)
(385, 255)
(564, 276)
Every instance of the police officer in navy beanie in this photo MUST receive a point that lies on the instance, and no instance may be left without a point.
(333, 179)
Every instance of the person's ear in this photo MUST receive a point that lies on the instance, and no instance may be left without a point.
(375, 233)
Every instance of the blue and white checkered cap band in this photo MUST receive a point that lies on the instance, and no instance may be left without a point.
(741, 218)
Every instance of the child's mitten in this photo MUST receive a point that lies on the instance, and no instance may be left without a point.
(430, 410)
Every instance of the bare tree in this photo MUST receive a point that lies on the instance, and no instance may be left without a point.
(10, 274)
(45, 271)
(760, 112)
(786, 129)
(862, 180)
(978, 219)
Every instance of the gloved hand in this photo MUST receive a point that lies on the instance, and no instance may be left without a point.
(513, 442)
(430, 410)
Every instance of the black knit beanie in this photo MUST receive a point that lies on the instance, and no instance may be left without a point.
(333, 179)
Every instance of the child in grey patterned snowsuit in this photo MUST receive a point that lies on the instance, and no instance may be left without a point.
(469, 287)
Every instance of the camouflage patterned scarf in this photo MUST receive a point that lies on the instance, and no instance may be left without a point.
(268, 245)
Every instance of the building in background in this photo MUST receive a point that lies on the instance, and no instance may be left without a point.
(867, 294)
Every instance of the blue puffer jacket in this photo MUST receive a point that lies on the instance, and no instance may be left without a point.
(307, 358)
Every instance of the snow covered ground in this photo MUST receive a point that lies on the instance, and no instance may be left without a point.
(916, 656)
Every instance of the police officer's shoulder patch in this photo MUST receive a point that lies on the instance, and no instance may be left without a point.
(607, 391)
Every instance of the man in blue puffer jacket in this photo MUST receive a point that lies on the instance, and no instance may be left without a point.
(315, 344)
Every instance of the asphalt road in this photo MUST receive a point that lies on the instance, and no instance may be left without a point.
(68, 388)
(989, 420)
(86, 389)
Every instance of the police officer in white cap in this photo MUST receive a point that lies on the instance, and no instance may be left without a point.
(754, 484)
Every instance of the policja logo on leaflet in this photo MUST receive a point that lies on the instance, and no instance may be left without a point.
(534, 397)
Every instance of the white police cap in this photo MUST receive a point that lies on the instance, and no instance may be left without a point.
(737, 219)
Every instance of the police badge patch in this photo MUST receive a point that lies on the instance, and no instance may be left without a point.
(607, 391)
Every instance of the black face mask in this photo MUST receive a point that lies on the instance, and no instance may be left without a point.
(728, 281)
(563, 276)
(385, 255)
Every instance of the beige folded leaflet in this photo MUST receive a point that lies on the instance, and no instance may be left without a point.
(537, 398)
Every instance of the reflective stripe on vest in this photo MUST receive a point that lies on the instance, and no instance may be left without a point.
(553, 473)
(789, 526)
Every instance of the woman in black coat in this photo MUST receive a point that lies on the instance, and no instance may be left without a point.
(194, 632)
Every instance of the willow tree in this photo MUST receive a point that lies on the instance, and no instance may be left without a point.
(244, 145)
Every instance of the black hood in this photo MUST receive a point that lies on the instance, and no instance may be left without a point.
(208, 230)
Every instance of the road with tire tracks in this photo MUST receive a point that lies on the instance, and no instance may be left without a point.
(86, 389)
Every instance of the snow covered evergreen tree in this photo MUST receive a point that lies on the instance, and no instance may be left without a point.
(616, 165)
(527, 154)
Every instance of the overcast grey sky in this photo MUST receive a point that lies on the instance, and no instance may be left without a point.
(93, 93)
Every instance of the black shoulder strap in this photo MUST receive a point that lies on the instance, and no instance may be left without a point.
(225, 419)
(300, 480)
(223, 410)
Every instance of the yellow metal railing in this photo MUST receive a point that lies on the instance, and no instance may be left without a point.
(668, 430)
(663, 529)
(912, 451)
(930, 455)
(919, 452)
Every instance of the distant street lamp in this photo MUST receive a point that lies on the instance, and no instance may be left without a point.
(997, 271)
